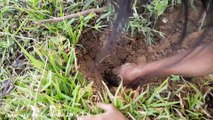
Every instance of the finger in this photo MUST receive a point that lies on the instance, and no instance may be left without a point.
(105, 107)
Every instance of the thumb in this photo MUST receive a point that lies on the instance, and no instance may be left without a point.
(105, 107)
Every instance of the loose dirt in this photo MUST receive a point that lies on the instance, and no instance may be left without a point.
(135, 50)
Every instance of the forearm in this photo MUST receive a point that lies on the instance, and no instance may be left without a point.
(196, 62)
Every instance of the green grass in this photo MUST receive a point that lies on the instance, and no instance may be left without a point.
(50, 86)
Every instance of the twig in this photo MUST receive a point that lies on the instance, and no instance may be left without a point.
(82, 13)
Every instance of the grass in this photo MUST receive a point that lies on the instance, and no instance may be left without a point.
(47, 82)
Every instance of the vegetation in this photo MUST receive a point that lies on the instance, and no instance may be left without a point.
(42, 63)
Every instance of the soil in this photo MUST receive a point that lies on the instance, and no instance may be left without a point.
(136, 50)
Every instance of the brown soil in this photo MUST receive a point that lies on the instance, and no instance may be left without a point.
(136, 50)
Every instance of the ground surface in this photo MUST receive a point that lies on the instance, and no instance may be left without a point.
(39, 74)
(136, 50)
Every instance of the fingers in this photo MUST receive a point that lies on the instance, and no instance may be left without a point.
(111, 113)
(105, 107)
(120, 69)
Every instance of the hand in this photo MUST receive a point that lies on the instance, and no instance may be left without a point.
(111, 113)
(129, 72)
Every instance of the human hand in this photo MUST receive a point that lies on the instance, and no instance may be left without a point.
(128, 72)
(111, 113)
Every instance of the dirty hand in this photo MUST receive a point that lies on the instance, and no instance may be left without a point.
(111, 113)
(129, 72)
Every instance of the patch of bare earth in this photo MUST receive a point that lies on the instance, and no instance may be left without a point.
(136, 50)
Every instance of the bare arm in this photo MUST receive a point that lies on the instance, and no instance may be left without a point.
(194, 62)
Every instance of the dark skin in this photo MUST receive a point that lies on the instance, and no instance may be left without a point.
(194, 62)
